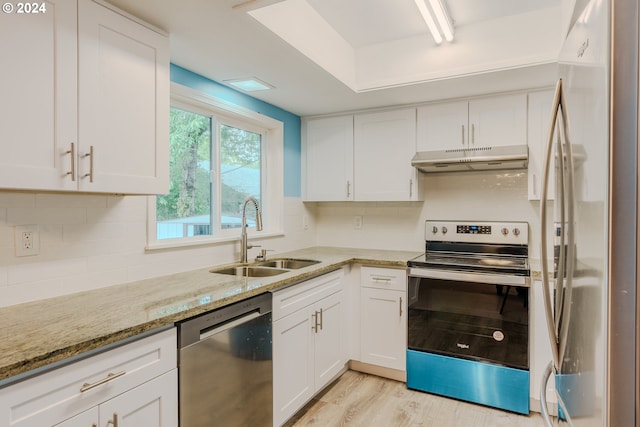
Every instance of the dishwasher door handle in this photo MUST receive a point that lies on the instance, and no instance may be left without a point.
(229, 325)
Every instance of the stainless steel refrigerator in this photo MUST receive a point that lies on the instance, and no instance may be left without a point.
(589, 220)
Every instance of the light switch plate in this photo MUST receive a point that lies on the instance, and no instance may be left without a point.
(27, 240)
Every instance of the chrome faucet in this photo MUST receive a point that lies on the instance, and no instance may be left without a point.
(244, 247)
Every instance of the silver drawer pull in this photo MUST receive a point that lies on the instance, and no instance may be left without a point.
(109, 377)
(381, 279)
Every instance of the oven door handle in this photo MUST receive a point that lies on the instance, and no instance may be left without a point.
(492, 279)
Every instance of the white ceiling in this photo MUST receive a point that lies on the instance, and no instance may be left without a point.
(222, 42)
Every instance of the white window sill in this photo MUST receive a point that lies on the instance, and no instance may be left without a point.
(206, 241)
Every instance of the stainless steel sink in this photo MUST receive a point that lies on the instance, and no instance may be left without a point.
(288, 263)
(249, 271)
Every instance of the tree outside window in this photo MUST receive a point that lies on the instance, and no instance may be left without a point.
(206, 195)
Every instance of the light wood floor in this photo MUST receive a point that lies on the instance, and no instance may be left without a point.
(358, 399)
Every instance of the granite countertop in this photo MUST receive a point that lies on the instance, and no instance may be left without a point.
(36, 334)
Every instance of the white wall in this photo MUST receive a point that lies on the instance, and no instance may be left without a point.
(488, 196)
(92, 241)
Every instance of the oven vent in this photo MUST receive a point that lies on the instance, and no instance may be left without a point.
(471, 159)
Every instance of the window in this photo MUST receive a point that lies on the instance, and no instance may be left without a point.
(218, 157)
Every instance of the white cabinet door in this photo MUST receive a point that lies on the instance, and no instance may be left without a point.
(385, 143)
(384, 328)
(498, 121)
(123, 104)
(293, 365)
(443, 126)
(88, 418)
(309, 344)
(38, 111)
(152, 404)
(329, 339)
(539, 121)
(483, 122)
(328, 154)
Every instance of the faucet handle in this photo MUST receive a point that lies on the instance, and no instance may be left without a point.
(263, 254)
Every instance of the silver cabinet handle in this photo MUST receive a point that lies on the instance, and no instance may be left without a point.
(410, 188)
(321, 319)
(110, 376)
(400, 306)
(314, 328)
(463, 135)
(90, 156)
(473, 133)
(381, 279)
(114, 422)
(348, 189)
(72, 154)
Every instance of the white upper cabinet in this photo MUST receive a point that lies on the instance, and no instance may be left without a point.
(86, 105)
(328, 151)
(385, 143)
(443, 126)
(38, 111)
(124, 104)
(477, 123)
(539, 117)
(498, 121)
(361, 158)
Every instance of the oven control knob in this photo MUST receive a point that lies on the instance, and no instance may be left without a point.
(444, 230)
(434, 230)
(516, 232)
(505, 231)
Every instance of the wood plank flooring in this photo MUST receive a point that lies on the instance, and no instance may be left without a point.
(357, 399)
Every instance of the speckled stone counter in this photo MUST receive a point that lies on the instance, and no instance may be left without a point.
(34, 335)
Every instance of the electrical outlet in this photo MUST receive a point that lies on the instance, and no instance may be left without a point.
(357, 222)
(27, 240)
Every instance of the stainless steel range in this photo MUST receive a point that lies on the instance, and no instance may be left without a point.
(468, 334)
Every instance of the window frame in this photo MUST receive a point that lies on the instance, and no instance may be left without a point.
(272, 174)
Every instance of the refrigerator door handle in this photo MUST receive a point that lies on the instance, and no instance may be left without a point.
(544, 411)
(553, 336)
(558, 322)
(569, 259)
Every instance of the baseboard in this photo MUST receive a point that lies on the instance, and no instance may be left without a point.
(534, 406)
(392, 374)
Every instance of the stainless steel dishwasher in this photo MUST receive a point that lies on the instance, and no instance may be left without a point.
(225, 366)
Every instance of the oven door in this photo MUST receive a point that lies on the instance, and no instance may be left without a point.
(475, 316)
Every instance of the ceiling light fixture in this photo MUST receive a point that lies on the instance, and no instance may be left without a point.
(444, 26)
(249, 84)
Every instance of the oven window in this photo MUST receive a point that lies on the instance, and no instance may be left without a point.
(470, 320)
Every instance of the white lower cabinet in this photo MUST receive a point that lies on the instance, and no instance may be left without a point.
(383, 313)
(132, 385)
(88, 418)
(309, 341)
(146, 405)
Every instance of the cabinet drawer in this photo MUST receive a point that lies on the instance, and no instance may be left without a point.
(294, 298)
(383, 278)
(57, 395)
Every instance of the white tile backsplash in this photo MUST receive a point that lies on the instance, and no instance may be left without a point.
(91, 241)
(482, 196)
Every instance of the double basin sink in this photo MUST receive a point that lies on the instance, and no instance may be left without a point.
(266, 268)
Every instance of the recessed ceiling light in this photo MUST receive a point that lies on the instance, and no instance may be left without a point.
(251, 84)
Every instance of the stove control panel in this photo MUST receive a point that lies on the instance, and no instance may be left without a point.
(473, 229)
(477, 231)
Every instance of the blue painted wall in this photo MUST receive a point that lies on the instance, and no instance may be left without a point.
(292, 154)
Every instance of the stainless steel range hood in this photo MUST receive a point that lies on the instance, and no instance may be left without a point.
(472, 159)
